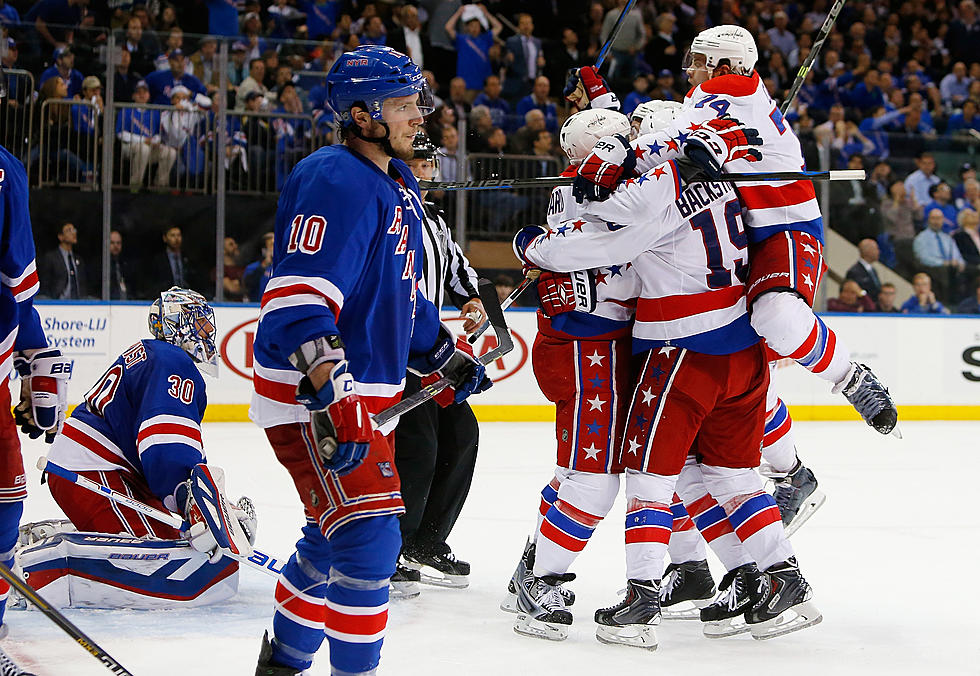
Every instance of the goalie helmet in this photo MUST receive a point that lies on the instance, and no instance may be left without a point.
(733, 44)
(583, 130)
(654, 115)
(183, 318)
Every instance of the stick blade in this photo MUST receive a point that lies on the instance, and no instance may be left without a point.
(495, 315)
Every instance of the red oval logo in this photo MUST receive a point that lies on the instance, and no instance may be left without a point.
(236, 348)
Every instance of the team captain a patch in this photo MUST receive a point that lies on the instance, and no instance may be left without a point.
(386, 470)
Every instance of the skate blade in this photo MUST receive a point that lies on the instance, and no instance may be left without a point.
(685, 610)
(733, 626)
(807, 509)
(438, 579)
(404, 590)
(897, 432)
(509, 603)
(792, 619)
(528, 626)
(632, 635)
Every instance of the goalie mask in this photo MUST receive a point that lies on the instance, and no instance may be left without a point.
(183, 318)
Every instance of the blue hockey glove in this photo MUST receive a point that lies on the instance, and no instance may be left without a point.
(611, 159)
(451, 359)
(523, 239)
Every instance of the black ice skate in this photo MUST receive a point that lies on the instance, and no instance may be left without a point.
(405, 582)
(783, 602)
(870, 398)
(439, 568)
(523, 571)
(265, 666)
(797, 497)
(737, 592)
(632, 621)
(541, 608)
(10, 668)
(686, 588)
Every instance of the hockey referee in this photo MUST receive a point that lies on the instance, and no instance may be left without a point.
(435, 448)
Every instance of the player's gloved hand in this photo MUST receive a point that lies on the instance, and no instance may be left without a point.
(587, 89)
(341, 422)
(43, 392)
(214, 525)
(561, 292)
(599, 174)
(722, 140)
(451, 359)
(523, 239)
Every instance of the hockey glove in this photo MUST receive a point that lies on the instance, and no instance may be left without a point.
(612, 158)
(587, 89)
(341, 422)
(43, 392)
(523, 239)
(719, 141)
(214, 525)
(561, 292)
(451, 359)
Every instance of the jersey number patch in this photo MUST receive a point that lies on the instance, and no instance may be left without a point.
(306, 235)
(719, 276)
(181, 389)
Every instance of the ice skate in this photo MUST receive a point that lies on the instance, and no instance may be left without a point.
(405, 582)
(686, 588)
(265, 666)
(7, 665)
(35, 531)
(725, 615)
(523, 571)
(541, 609)
(869, 397)
(783, 603)
(440, 569)
(633, 620)
(797, 496)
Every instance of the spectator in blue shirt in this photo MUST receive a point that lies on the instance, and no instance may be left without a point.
(162, 82)
(321, 17)
(937, 253)
(50, 18)
(374, 32)
(919, 181)
(538, 100)
(222, 17)
(490, 97)
(258, 274)
(923, 300)
(866, 94)
(955, 87)
(473, 44)
(639, 94)
(8, 14)
(64, 67)
(967, 171)
(942, 199)
(964, 121)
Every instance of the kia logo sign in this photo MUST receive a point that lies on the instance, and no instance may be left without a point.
(236, 350)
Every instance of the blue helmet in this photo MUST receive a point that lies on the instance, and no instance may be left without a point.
(369, 75)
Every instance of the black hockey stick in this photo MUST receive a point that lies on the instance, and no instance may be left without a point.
(55, 616)
(552, 181)
(505, 343)
(529, 279)
(828, 25)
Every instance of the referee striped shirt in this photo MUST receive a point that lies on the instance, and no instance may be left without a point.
(445, 269)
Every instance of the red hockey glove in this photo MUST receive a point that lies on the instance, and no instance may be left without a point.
(587, 89)
(599, 174)
(43, 395)
(561, 292)
(720, 141)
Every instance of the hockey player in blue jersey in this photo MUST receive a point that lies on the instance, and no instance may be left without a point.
(138, 432)
(341, 320)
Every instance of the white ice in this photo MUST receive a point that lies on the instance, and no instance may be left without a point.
(892, 557)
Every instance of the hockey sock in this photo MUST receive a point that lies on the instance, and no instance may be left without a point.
(778, 444)
(648, 523)
(300, 613)
(564, 532)
(10, 513)
(712, 523)
(364, 554)
(548, 496)
(686, 543)
(822, 355)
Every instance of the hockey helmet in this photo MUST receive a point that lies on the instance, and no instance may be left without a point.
(424, 149)
(369, 75)
(583, 130)
(654, 115)
(732, 44)
(182, 317)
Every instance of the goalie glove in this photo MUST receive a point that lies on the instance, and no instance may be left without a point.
(43, 392)
(561, 292)
(719, 141)
(214, 525)
(451, 359)
(587, 89)
(599, 174)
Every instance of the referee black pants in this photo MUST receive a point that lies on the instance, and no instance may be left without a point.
(435, 453)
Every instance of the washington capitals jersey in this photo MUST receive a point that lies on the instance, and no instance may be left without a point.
(20, 326)
(688, 248)
(771, 206)
(142, 416)
(347, 260)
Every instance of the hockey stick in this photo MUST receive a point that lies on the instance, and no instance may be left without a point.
(55, 616)
(530, 278)
(258, 560)
(505, 343)
(613, 33)
(552, 181)
(828, 24)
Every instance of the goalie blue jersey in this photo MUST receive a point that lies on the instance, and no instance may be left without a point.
(142, 416)
(347, 262)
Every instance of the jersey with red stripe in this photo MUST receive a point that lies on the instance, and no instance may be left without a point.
(771, 206)
(142, 416)
(347, 261)
(688, 248)
(20, 326)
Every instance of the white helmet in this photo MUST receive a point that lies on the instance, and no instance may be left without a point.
(731, 43)
(654, 115)
(583, 130)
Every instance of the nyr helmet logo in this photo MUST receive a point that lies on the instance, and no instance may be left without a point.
(357, 62)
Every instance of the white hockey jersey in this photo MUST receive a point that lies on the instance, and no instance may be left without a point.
(687, 246)
(771, 206)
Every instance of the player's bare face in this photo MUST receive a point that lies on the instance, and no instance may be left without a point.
(403, 117)
(697, 70)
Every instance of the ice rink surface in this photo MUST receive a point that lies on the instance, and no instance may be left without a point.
(892, 557)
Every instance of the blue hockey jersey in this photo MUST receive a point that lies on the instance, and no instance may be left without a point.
(347, 261)
(142, 416)
(20, 326)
